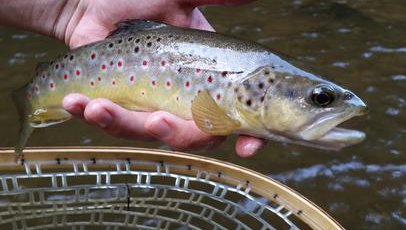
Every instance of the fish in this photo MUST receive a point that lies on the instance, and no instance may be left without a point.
(225, 84)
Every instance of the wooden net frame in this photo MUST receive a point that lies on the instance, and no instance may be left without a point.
(132, 188)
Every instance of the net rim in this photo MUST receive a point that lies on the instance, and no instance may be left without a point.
(261, 184)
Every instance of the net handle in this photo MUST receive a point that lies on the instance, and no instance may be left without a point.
(264, 186)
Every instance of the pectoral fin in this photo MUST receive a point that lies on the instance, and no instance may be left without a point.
(49, 116)
(210, 118)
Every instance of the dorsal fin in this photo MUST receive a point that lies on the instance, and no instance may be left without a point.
(134, 25)
(41, 66)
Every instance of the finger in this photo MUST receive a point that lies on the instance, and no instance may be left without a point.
(198, 21)
(179, 134)
(75, 104)
(246, 146)
(116, 120)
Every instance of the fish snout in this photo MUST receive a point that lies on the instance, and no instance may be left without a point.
(355, 102)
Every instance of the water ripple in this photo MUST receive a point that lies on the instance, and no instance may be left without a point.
(331, 170)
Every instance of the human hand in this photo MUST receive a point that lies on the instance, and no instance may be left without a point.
(92, 22)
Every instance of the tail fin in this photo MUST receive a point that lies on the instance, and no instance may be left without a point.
(23, 106)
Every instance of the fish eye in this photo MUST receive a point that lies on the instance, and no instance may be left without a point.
(323, 95)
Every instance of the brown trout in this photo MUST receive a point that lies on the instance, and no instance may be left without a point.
(226, 85)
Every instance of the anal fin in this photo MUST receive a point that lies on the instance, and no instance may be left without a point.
(210, 118)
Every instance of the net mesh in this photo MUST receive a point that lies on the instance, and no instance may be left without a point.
(109, 194)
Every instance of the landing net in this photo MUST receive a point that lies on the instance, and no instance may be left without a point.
(127, 188)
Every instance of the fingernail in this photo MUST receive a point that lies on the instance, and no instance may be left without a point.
(104, 120)
(161, 129)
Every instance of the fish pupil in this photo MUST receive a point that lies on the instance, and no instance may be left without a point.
(323, 96)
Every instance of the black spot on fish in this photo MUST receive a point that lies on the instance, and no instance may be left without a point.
(136, 49)
(224, 73)
(270, 80)
(66, 56)
(170, 35)
(262, 98)
(267, 72)
(111, 45)
(130, 39)
(239, 98)
(158, 39)
(179, 70)
(248, 102)
(71, 57)
(149, 44)
(120, 41)
(261, 85)
(148, 37)
(51, 63)
(137, 40)
(236, 89)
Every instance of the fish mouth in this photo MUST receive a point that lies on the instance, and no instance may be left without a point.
(325, 134)
(338, 138)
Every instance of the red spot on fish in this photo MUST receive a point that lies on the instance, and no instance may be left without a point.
(77, 72)
(144, 63)
(36, 88)
(43, 76)
(218, 96)
(103, 67)
(65, 76)
(120, 64)
(132, 79)
(93, 56)
(210, 79)
(52, 85)
(99, 78)
(163, 63)
(111, 63)
(198, 70)
(113, 82)
(187, 84)
(168, 84)
(153, 83)
(91, 83)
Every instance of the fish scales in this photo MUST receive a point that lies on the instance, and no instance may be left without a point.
(149, 66)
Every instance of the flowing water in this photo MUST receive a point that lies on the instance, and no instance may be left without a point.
(358, 44)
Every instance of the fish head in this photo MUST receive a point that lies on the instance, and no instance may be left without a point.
(305, 108)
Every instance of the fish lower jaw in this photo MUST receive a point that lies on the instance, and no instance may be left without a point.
(323, 126)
